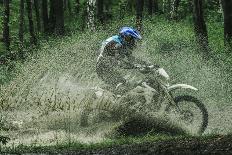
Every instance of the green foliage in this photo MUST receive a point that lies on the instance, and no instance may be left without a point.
(184, 9)
(4, 140)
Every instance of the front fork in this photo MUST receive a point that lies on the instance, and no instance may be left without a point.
(163, 96)
(166, 97)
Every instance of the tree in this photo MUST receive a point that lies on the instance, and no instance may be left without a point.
(227, 11)
(156, 6)
(84, 16)
(190, 6)
(37, 14)
(200, 26)
(59, 17)
(67, 4)
(6, 32)
(130, 5)
(150, 7)
(139, 14)
(45, 16)
(52, 16)
(100, 13)
(108, 8)
(122, 8)
(221, 9)
(31, 23)
(175, 6)
(21, 23)
(91, 6)
(69, 8)
(77, 6)
(167, 6)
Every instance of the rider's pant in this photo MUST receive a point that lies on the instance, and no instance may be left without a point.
(109, 74)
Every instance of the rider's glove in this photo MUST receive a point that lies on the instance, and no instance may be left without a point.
(145, 67)
(137, 66)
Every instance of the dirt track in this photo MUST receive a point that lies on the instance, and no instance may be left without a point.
(214, 145)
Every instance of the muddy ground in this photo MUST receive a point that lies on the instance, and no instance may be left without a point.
(218, 145)
(213, 145)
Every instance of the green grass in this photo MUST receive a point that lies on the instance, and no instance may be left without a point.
(108, 143)
(80, 146)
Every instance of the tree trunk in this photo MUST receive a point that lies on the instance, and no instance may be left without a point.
(65, 4)
(84, 17)
(37, 13)
(221, 9)
(77, 6)
(190, 6)
(167, 7)
(163, 6)
(156, 6)
(122, 8)
(200, 27)
(227, 10)
(130, 5)
(69, 8)
(91, 7)
(31, 24)
(6, 32)
(139, 14)
(59, 13)
(174, 12)
(100, 14)
(150, 7)
(52, 16)
(21, 24)
(45, 15)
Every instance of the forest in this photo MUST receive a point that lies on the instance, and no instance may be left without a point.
(53, 101)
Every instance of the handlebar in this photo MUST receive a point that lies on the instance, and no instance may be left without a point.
(145, 68)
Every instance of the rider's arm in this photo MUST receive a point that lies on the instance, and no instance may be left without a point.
(126, 63)
(135, 60)
(131, 62)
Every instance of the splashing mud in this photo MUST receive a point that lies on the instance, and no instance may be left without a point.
(44, 103)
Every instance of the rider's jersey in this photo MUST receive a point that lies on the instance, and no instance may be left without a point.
(114, 50)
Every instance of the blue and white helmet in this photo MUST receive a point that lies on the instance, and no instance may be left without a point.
(128, 31)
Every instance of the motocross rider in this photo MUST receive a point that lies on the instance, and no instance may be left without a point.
(115, 52)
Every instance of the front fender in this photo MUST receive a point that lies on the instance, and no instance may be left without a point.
(181, 86)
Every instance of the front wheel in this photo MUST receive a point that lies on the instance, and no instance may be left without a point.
(191, 114)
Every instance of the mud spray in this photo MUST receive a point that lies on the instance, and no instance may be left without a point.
(43, 104)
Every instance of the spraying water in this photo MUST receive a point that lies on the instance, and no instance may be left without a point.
(43, 103)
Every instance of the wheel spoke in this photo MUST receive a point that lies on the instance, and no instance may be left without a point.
(191, 114)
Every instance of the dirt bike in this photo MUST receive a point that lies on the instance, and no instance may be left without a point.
(155, 94)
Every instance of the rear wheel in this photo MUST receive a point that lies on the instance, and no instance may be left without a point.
(191, 114)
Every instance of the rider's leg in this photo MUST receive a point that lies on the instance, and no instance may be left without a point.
(118, 85)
